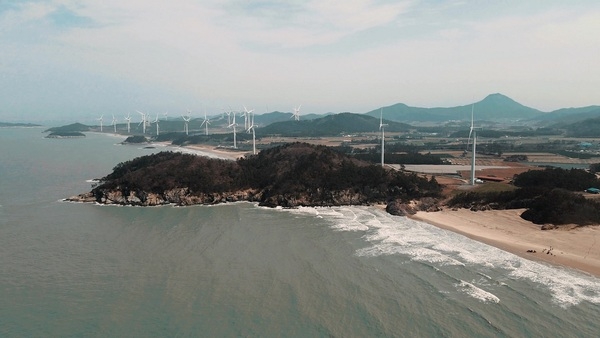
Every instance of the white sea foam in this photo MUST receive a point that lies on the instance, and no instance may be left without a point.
(477, 293)
(422, 242)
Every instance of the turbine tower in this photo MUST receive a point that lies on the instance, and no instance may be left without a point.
(233, 125)
(128, 119)
(296, 114)
(100, 119)
(166, 114)
(228, 115)
(156, 122)
(382, 128)
(143, 123)
(114, 123)
(473, 132)
(251, 128)
(186, 120)
(205, 123)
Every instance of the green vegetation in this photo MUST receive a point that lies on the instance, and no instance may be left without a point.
(75, 127)
(586, 128)
(136, 139)
(296, 174)
(551, 196)
(331, 125)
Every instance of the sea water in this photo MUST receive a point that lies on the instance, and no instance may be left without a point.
(70, 269)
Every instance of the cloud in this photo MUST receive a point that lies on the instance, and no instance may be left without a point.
(329, 55)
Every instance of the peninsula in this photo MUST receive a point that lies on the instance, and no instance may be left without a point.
(291, 175)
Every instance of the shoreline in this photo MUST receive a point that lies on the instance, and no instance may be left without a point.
(575, 248)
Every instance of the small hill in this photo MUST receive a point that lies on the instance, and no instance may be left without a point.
(566, 116)
(584, 128)
(74, 127)
(296, 174)
(331, 125)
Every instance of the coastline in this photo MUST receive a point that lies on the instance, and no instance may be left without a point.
(575, 248)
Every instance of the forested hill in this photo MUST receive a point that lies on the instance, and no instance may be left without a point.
(296, 174)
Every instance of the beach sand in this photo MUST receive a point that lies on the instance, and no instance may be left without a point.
(219, 153)
(577, 248)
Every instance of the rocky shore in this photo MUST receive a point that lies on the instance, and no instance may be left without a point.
(288, 176)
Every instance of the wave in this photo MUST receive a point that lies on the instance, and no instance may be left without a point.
(477, 293)
(421, 242)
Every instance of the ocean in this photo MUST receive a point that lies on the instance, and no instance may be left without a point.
(70, 269)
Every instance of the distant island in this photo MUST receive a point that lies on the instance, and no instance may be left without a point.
(291, 175)
(7, 124)
(74, 127)
(136, 139)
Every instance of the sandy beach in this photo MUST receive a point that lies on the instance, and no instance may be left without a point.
(214, 152)
(576, 248)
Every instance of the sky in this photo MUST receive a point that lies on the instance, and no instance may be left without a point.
(76, 60)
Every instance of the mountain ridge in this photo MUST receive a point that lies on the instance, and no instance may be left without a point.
(493, 107)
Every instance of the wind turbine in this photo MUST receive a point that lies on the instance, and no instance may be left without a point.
(166, 114)
(296, 114)
(114, 123)
(233, 125)
(128, 119)
(186, 120)
(100, 119)
(143, 123)
(247, 116)
(156, 122)
(228, 115)
(253, 135)
(473, 132)
(382, 128)
(205, 123)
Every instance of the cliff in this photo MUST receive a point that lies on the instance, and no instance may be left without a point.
(291, 175)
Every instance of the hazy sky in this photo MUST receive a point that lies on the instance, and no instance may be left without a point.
(79, 59)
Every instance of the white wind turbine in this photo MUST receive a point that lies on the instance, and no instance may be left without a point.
(228, 115)
(143, 123)
(186, 120)
(247, 116)
(252, 126)
(128, 119)
(114, 123)
(205, 123)
(100, 119)
(472, 132)
(233, 125)
(166, 114)
(296, 114)
(156, 122)
(382, 128)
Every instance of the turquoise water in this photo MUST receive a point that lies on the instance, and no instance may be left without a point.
(72, 269)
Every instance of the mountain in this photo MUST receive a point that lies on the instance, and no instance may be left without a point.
(568, 115)
(584, 128)
(492, 107)
(330, 125)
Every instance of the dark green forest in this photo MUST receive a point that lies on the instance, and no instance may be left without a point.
(295, 174)
(551, 196)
